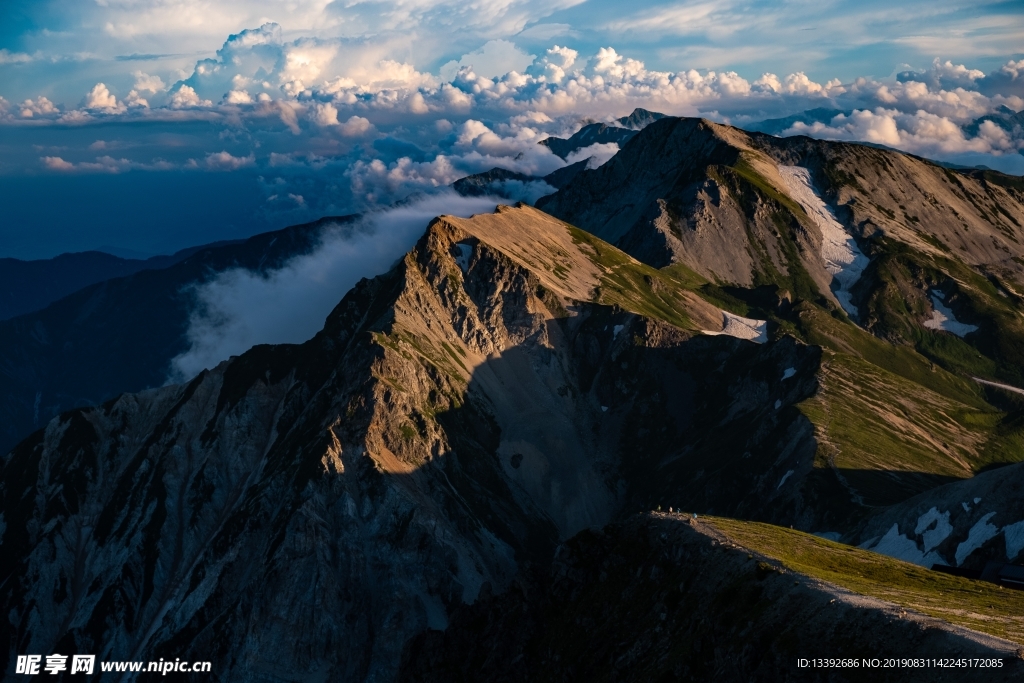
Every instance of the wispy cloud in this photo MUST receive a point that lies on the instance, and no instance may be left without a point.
(240, 308)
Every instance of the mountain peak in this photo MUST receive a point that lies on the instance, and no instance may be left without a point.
(639, 119)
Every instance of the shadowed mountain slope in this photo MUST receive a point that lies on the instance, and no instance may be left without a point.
(454, 421)
(660, 597)
(440, 455)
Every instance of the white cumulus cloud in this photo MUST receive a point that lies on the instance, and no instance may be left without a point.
(224, 161)
(356, 126)
(146, 83)
(186, 97)
(38, 107)
(494, 58)
(101, 99)
(324, 114)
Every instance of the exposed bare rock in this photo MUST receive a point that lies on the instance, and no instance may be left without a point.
(305, 510)
(463, 425)
(694, 192)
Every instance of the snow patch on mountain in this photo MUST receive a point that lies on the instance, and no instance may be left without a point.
(895, 544)
(943, 319)
(976, 537)
(784, 478)
(1013, 534)
(742, 328)
(933, 527)
(843, 258)
(1006, 387)
(462, 259)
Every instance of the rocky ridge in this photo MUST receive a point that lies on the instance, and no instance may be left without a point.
(661, 597)
(454, 421)
(717, 205)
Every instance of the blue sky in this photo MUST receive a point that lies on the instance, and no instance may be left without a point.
(156, 124)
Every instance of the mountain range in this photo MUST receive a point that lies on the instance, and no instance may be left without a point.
(118, 334)
(29, 286)
(477, 469)
(601, 133)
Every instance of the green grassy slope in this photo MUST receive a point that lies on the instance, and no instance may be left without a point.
(977, 605)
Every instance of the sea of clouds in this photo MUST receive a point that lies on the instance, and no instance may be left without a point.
(306, 108)
(337, 125)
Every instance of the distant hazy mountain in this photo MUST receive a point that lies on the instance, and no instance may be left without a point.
(640, 119)
(495, 181)
(600, 133)
(27, 286)
(595, 133)
(1007, 119)
(116, 335)
(778, 126)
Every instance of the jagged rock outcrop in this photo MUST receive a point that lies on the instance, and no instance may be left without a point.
(694, 192)
(808, 232)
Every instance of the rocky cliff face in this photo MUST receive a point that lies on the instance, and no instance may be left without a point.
(454, 421)
(693, 192)
(808, 233)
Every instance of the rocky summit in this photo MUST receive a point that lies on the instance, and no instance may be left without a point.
(715, 406)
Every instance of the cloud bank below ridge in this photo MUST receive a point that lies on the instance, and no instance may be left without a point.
(239, 308)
